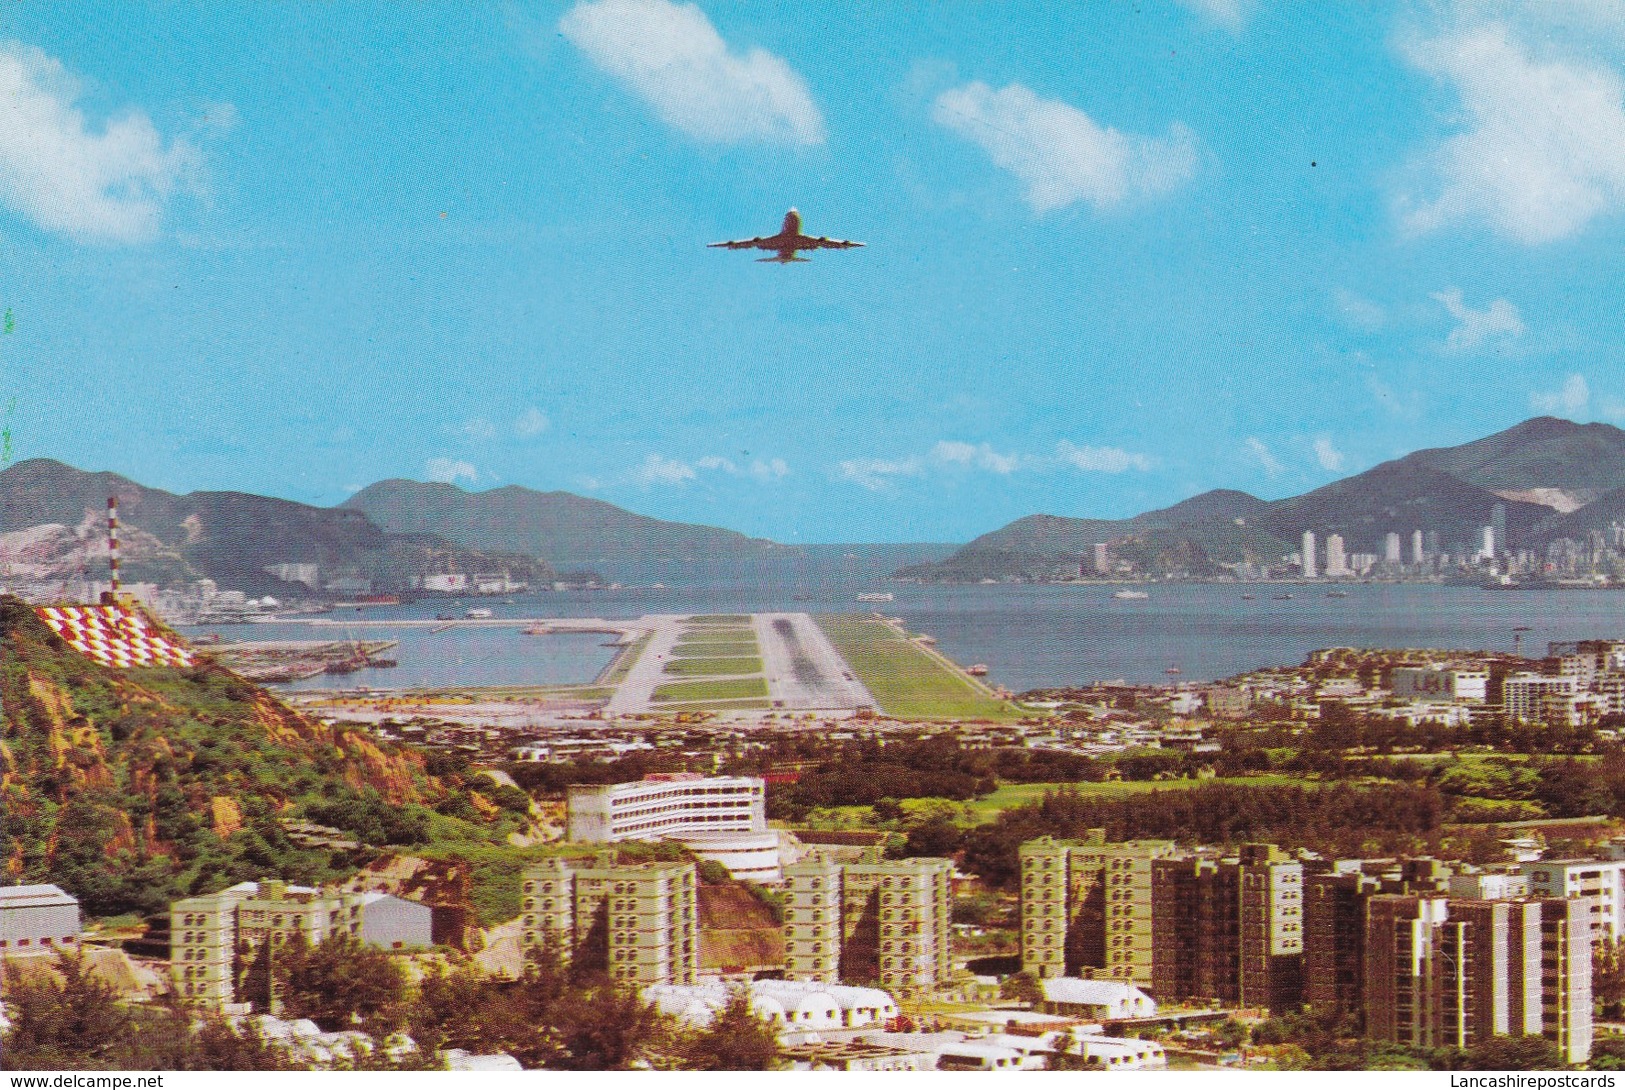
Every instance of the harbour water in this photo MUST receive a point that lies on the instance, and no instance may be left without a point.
(1029, 636)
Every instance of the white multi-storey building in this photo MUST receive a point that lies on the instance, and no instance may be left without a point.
(1601, 882)
(1337, 563)
(1525, 695)
(667, 806)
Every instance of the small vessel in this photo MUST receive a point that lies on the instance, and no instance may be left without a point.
(1131, 595)
(801, 597)
(1337, 594)
(365, 600)
(978, 670)
(873, 596)
(1283, 597)
(478, 614)
(1248, 597)
(445, 616)
(537, 630)
(1173, 670)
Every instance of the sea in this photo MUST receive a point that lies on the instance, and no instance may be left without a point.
(1028, 636)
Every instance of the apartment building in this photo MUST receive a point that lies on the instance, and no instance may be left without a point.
(885, 922)
(206, 932)
(639, 922)
(1334, 940)
(1446, 972)
(1086, 905)
(203, 944)
(1531, 698)
(1600, 883)
(1229, 929)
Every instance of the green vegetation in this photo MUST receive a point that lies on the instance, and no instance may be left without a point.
(907, 681)
(727, 689)
(716, 706)
(131, 789)
(715, 648)
(68, 1020)
(713, 667)
(1009, 796)
(571, 1019)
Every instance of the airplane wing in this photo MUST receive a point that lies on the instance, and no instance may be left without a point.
(822, 243)
(763, 242)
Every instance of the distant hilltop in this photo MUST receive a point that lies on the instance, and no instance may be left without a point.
(52, 519)
(1552, 478)
(565, 529)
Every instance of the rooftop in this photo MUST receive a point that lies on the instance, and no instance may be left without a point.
(34, 896)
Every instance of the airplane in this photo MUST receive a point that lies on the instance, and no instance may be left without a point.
(787, 242)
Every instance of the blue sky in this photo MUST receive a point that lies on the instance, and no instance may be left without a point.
(1118, 254)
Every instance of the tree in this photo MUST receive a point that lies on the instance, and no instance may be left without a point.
(736, 1040)
(1525, 1053)
(340, 984)
(1022, 987)
(606, 1029)
(937, 836)
(1608, 976)
(1067, 1055)
(66, 1021)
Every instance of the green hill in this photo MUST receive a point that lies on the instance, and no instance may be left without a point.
(1191, 537)
(566, 530)
(1540, 470)
(232, 537)
(130, 788)
(1543, 452)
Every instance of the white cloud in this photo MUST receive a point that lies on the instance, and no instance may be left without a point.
(770, 469)
(532, 422)
(984, 456)
(104, 186)
(476, 428)
(663, 471)
(1230, 14)
(1543, 150)
(1570, 399)
(1100, 459)
(953, 455)
(673, 57)
(1500, 319)
(1060, 153)
(876, 474)
(1329, 457)
(447, 471)
(1272, 465)
(1361, 312)
(761, 469)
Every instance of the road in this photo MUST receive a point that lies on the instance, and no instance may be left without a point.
(804, 671)
(635, 693)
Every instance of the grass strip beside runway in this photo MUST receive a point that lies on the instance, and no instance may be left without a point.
(732, 688)
(907, 681)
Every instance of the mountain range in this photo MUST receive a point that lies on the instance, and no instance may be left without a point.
(1554, 478)
(570, 531)
(52, 524)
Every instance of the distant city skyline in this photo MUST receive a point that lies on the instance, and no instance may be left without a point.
(1117, 255)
